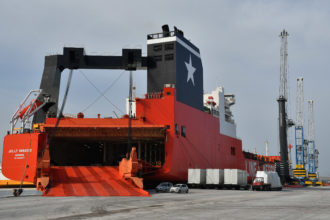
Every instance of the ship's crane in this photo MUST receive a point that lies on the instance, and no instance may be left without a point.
(312, 152)
(283, 119)
(300, 171)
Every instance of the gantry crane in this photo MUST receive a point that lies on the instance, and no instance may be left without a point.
(312, 152)
(300, 144)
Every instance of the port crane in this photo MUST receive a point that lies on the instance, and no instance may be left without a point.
(284, 123)
(312, 152)
(299, 172)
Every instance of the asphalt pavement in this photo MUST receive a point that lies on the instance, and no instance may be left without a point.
(301, 203)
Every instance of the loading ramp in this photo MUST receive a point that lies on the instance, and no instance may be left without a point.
(90, 181)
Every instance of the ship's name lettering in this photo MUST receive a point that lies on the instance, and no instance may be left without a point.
(13, 151)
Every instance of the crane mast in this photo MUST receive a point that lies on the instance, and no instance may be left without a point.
(283, 168)
(284, 65)
(300, 171)
(300, 101)
(312, 152)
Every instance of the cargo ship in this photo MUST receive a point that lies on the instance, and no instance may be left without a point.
(173, 128)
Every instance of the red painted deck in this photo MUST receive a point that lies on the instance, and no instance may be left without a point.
(91, 181)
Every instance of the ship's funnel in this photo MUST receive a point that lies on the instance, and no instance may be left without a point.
(177, 62)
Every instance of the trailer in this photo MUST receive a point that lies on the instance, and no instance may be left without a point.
(235, 178)
(214, 178)
(196, 177)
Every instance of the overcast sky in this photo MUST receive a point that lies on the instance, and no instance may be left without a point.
(239, 45)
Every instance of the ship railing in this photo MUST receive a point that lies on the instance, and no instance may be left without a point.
(161, 35)
(70, 115)
(212, 111)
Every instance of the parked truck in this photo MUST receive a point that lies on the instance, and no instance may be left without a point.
(266, 181)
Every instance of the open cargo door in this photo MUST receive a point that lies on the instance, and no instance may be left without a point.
(86, 160)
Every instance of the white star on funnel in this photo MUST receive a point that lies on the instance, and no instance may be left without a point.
(191, 71)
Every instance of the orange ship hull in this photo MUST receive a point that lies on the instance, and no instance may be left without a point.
(201, 146)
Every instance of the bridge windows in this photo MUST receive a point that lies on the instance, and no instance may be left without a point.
(169, 46)
(169, 56)
(158, 47)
